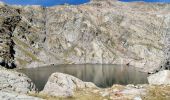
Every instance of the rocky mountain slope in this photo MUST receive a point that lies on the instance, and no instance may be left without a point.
(101, 31)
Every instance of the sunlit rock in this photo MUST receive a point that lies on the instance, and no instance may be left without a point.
(64, 85)
(16, 96)
(160, 78)
(16, 82)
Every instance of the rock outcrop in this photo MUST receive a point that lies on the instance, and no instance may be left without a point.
(16, 96)
(101, 31)
(16, 86)
(160, 78)
(8, 22)
(22, 34)
(64, 85)
(16, 82)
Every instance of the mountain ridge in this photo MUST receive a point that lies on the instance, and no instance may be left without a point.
(104, 32)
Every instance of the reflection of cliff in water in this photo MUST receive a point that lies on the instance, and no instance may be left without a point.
(101, 75)
(106, 75)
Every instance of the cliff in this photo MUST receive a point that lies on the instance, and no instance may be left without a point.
(101, 31)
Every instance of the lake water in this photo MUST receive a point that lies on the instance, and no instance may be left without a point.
(102, 75)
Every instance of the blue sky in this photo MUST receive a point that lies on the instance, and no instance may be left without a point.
(59, 2)
(44, 2)
(147, 0)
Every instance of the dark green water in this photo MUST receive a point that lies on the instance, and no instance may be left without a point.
(102, 75)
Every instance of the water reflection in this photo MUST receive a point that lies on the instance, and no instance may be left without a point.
(102, 75)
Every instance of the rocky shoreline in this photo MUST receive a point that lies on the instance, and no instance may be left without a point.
(99, 32)
(17, 86)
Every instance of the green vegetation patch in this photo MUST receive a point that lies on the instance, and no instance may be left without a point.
(29, 54)
(22, 62)
(19, 42)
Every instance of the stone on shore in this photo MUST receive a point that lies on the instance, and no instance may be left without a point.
(14, 81)
(16, 96)
(64, 85)
(160, 78)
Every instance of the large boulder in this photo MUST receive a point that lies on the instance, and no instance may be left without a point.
(162, 77)
(14, 81)
(64, 85)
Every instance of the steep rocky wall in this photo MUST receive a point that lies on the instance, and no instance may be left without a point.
(9, 19)
(29, 36)
(102, 31)
(22, 31)
(166, 64)
(109, 32)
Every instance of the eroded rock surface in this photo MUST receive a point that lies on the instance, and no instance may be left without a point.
(16, 82)
(160, 78)
(108, 31)
(64, 85)
(101, 31)
(16, 96)
(16, 86)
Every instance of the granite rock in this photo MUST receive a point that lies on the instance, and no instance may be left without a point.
(16, 82)
(16, 96)
(160, 78)
(64, 85)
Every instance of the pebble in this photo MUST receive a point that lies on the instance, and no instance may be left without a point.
(105, 94)
(137, 98)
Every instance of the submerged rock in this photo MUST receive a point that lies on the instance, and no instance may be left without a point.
(16, 82)
(64, 85)
(160, 78)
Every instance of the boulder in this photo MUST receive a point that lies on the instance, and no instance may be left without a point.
(16, 96)
(64, 85)
(160, 78)
(15, 81)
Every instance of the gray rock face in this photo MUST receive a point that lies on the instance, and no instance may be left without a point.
(16, 96)
(26, 34)
(101, 31)
(64, 85)
(14, 81)
(109, 32)
(8, 25)
(15, 86)
(160, 78)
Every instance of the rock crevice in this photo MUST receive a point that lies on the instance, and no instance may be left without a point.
(6, 43)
